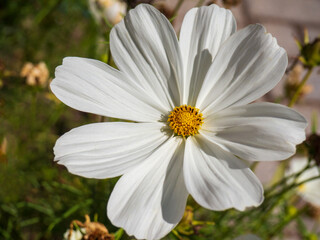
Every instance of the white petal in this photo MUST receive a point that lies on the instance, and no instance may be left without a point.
(216, 179)
(91, 86)
(202, 33)
(258, 131)
(310, 190)
(105, 150)
(150, 200)
(248, 65)
(144, 46)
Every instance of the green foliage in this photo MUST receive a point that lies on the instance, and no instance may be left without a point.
(47, 30)
(38, 199)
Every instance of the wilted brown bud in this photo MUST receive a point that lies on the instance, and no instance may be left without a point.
(310, 54)
(93, 230)
(313, 143)
(3, 150)
(231, 3)
(313, 211)
(35, 74)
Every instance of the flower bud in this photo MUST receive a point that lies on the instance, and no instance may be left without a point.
(313, 142)
(231, 3)
(111, 11)
(310, 53)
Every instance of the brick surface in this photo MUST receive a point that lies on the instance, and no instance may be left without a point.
(299, 11)
(284, 33)
(307, 108)
(314, 81)
(265, 171)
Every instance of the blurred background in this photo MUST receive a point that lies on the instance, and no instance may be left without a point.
(40, 199)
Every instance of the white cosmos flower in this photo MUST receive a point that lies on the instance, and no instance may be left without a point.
(212, 68)
(75, 234)
(310, 190)
(110, 10)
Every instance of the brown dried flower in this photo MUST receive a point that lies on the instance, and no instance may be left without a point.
(93, 230)
(35, 74)
(313, 142)
(231, 3)
(3, 150)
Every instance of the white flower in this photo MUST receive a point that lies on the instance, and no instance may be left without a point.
(111, 10)
(75, 234)
(308, 191)
(212, 68)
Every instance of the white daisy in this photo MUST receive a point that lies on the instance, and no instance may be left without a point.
(310, 190)
(191, 123)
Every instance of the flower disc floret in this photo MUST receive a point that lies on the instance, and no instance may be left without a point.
(185, 120)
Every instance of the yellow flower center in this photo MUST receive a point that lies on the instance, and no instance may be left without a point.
(185, 120)
(302, 188)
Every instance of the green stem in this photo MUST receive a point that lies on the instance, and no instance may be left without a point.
(307, 180)
(296, 60)
(109, 55)
(284, 223)
(102, 119)
(285, 179)
(292, 186)
(272, 198)
(277, 197)
(200, 3)
(254, 166)
(118, 234)
(221, 217)
(42, 14)
(176, 9)
(300, 87)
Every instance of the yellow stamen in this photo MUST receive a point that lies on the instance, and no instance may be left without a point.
(185, 120)
(302, 188)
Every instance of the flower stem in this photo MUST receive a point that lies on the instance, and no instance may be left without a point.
(285, 222)
(254, 166)
(118, 234)
(295, 62)
(177, 7)
(300, 87)
(284, 180)
(200, 3)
